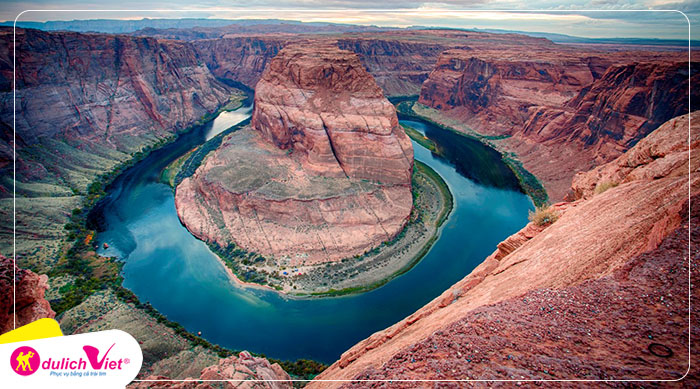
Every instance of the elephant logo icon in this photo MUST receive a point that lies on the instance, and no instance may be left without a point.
(25, 361)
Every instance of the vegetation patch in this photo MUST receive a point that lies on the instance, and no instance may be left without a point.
(409, 108)
(603, 186)
(530, 184)
(420, 138)
(543, 215)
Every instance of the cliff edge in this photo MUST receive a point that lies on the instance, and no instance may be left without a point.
(602, 293)
(323, 172)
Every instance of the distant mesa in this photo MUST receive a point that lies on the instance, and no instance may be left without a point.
(323, 172)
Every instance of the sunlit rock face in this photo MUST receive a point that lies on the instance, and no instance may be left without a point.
(323, 172)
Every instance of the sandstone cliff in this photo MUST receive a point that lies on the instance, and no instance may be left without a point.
(324, 175)
(321, 103)
(240, 59)
(398, 65)
(86, 102)
(399, 60)
(561, 111)
(602, 293)
(102, 90)
(244, 371)
(28, 291)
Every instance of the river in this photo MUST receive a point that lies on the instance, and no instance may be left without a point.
(178, 274)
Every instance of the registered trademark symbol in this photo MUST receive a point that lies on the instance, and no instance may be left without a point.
(127, 360)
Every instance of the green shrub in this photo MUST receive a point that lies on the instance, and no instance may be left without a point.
(543, 215)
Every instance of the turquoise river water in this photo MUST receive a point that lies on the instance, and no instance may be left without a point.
(178, 274)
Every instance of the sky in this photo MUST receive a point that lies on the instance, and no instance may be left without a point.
(612, 20)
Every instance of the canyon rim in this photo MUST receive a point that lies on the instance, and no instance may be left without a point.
(260, 201)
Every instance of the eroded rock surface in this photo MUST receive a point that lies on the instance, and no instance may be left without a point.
(85, 103)
(319, 101)
(29, 289)
(600, 293)
(324, 173)
(244, 371)
(561, 111)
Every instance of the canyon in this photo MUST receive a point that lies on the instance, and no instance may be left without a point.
(611, 272)
(560, 112)
(110, 96)
(324, 172)
(539, 97)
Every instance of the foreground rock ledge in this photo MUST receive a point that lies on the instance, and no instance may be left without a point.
(602, 293)
(324, 172)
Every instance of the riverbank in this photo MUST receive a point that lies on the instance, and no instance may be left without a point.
(432, 201)
(87, 294)
(78, 263)
(168, 267)
(409, 108)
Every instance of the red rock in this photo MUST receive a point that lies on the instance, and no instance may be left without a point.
(85, 103)
(242, 59)
(109, 84)
(319, 101)
(325, 175)
(584, 297)
(663, 153)
(562, 114)
(242, 371)
(29, 289)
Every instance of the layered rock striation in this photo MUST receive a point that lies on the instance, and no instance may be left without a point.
(561, 111)
(21, 296)
(602, 293)
(244, 370)
(104, 88)
(84, 103)
(324, 172)
(320, 103)
(240, 59)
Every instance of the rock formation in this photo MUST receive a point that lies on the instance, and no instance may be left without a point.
(106, 94)
(240, 59)
(244, 371)
(398, 65)
(103, 88)
(564, 111)
(496, 88)
(86, 102)
(324, 175)
(320, 102)
(602, 293)
(399, 60)
(616, 111)
(28, 290)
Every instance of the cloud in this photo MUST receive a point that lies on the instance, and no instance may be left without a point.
(552, 16)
